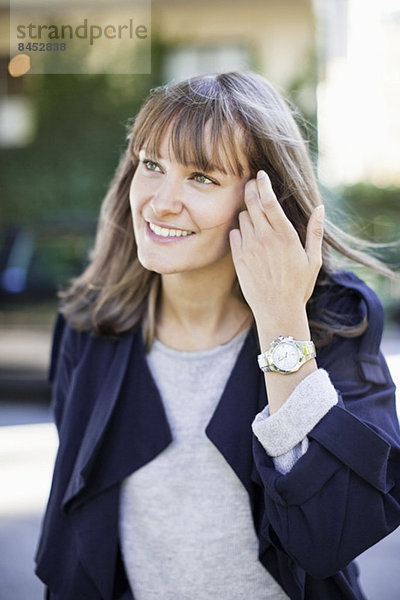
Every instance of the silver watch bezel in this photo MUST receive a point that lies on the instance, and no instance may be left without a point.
(275, 359)
(305, 351)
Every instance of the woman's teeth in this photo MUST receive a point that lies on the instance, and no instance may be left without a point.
(165, 232)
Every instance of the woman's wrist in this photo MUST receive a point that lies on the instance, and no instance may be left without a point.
(290, 322)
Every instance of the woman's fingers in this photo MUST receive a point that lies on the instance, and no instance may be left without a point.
(246, 230)
(253, 204)
(245, 224)
(269, 202)
(272, 265)
(263, 205)
(235, 240)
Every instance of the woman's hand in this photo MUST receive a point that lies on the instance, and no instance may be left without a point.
(276, 273)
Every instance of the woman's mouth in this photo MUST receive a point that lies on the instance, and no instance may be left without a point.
(166, 232)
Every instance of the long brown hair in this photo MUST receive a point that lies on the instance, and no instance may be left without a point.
(116, 293)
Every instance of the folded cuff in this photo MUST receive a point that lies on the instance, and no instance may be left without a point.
(305, 407)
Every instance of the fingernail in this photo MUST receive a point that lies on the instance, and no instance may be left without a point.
(261, 174)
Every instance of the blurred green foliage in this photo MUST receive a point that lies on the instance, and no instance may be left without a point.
(80, 130)
(375, 209)
(302, 93)
(52, 188)
(374, 214)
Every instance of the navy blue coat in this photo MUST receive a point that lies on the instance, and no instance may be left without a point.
(340, 498)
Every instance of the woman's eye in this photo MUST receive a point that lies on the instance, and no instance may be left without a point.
(200, 178)
(150, 165)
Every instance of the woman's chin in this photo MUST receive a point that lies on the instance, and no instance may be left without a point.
(158, 266)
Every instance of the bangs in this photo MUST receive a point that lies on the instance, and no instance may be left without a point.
(203, 133)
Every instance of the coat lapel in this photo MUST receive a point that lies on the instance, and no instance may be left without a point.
(127, 428)
(230, 426)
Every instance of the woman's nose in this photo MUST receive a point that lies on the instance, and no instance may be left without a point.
(168, 197)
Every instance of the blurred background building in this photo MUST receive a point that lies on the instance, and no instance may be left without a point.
(358, 90)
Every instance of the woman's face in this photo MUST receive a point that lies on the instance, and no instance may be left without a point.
(182, 217)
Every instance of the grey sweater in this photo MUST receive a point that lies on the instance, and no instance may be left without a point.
(186, 528)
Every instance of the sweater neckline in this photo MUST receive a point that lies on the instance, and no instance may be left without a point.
(159, 346)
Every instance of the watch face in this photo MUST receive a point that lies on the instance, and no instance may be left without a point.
(285, 356)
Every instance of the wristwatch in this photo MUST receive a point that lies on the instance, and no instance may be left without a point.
(286, 355)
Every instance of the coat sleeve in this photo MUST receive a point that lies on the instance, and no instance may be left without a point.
(343, 494)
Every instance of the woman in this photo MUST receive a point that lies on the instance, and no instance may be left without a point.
(185, 469)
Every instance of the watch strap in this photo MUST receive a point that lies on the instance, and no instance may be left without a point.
(305, 348)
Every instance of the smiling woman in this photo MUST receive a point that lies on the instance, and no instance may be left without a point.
(187, 468)
(220, 124)
(191, 211)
